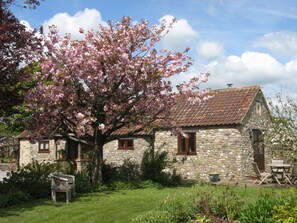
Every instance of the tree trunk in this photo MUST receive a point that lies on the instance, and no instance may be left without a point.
(97, 159)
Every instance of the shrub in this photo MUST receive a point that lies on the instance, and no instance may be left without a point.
(154, 216)
(4, 198)
(129, 171)
(17, 197)
(153, 164)
(227, 205)
(287, 211)
(152, 168)
(202, 198)
(260, 211)
(83, 183)
(179, 210)
(123, 185)
(32, 179)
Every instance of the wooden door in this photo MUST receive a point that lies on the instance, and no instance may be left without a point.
(73, 152)
(259, 150)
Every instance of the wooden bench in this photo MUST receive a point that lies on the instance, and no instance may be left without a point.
(61, 182)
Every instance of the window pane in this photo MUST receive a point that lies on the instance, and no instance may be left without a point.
(125, 143)
(192, 146)
(130, 143)
(182, 144)
(44, 146)
(122, 143)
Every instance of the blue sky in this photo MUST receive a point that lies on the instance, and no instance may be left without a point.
(244, 42)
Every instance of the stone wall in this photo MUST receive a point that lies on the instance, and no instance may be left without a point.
(112, 155)
(218, 151)
(29, 151)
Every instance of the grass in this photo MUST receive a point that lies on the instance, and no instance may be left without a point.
(105, 207)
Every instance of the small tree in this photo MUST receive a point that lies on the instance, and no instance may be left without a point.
(112, 78)
(283, 132)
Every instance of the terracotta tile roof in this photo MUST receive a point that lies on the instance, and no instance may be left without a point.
(25, 134)
(227, 106)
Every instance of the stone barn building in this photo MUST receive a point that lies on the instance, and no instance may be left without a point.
(223, 135)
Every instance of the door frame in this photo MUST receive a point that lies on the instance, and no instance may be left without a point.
(258, 148)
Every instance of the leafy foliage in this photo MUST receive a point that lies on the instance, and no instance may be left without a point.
(152, 168)
(286, 212)
(179, 210)
(282, 133)
(83, 183)
(154, 216)
(16, 45)
(32, 180)
(261, 210)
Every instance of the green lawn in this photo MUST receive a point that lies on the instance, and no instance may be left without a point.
(108, 207)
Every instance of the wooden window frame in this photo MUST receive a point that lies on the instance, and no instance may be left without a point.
(126, 143)
(41, 146)
(186, 150)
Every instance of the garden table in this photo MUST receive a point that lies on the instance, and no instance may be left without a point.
(281, 169)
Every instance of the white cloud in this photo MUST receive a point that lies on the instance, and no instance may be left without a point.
(251, 68)
(87, 19)
(27, 25)
(210, 50)
(284, 43)
(291, 66)
(180, 36)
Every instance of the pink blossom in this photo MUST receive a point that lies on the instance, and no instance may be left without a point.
(115, 76)
(101, 126)
(81, 30)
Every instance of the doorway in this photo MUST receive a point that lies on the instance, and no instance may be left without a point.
(258, 147)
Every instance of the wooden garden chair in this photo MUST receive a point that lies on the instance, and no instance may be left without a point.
(261, 177)
(63, 183)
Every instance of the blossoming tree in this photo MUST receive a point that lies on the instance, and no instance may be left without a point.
(112, 78)
(282, 133)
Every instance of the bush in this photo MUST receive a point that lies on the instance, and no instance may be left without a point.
(260, 211)
(227, 205)
(128, 172)
(287, 211)
(17, 197)
(152, 168)
(153, 164)
(202, 198)
(32, 180)
(179, 210)
(153, 217)
(83, 183)
(4, 198)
